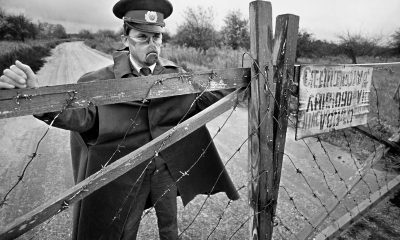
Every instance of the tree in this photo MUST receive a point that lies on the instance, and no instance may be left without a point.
(197, 30)
(59, 31)
(16, 27)
(166, 36)
(304, 44)
(395, 43)
(85, 34)
(102, 34)
(355, 45)
(235, 33)
(48, 30)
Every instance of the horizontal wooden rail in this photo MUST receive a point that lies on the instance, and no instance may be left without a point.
(337, 227)
(116, 169)
(19, 102)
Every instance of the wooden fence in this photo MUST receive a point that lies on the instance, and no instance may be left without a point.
(270, 78)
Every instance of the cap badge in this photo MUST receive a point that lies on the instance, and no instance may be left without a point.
(151, 16)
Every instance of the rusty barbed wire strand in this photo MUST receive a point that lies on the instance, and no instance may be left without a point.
(343, 197)
(201, 155)
(324, 176)
(216, 180)
(68, 103)
(355, 163)
(182, 76)
(249, 217)
(380, 123)
(221, 216)
(267, 86)
(320, 169)
(213, 75)
(227, 162)
(336, 172)
(286, 228)
(183, 174)
(295, 205)
(308, 184)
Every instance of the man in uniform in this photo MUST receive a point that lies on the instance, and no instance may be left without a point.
(114, 211)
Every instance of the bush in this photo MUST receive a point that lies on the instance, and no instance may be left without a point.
(31, 53)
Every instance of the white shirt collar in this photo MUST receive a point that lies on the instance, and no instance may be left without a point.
(138, 67)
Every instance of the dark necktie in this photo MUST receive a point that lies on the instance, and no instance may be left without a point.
(145, 71)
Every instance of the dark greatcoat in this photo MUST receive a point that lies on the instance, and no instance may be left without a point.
(97, 130)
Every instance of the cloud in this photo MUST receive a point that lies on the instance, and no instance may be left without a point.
(74, 14)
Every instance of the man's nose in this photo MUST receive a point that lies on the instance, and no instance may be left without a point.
(150, 40)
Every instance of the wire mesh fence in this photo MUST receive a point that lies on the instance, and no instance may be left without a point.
(323, 178)
(329, 175)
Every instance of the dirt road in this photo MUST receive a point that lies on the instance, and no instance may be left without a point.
(50, 173)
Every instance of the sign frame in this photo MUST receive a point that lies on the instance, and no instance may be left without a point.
(332, 97)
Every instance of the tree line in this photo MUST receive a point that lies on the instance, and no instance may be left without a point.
(352, 45)
(17, 27)
(198, 30)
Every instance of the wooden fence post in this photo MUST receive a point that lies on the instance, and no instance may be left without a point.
(268, 110)
(261, 108)
(284, 54)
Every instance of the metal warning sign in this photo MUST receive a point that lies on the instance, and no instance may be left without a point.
(332, 97)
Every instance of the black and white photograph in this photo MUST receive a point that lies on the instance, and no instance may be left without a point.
(173, 119)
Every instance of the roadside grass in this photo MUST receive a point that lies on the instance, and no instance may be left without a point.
(106, 45)
(30, 52)
(190, 59)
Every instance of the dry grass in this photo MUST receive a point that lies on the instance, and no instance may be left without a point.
(29, 52)
(193, 59)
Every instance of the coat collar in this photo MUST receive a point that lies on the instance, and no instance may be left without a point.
(123, 67)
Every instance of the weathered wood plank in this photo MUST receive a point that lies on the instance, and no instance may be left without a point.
(332, 203)
(261, 106)
(19, 102)
(337, 227)
(285, 44)
(116, 169)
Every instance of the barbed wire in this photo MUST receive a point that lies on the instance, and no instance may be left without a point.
(36, 149)
(226, 207)
(286, 228)
(314, 194)
(354, 161)
(124, 202)
(320, 169)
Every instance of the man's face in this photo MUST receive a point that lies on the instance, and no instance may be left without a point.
(144, 47)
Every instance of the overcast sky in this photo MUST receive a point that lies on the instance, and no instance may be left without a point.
(324, 18)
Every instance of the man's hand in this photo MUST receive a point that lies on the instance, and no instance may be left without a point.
(18, 76)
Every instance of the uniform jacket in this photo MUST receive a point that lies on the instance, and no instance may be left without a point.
(96, 132)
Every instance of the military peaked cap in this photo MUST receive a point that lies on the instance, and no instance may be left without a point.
(144, 15)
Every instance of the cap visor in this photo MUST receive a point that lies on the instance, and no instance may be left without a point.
(146, 27)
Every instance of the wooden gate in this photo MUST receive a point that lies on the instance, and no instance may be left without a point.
(269, 76)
